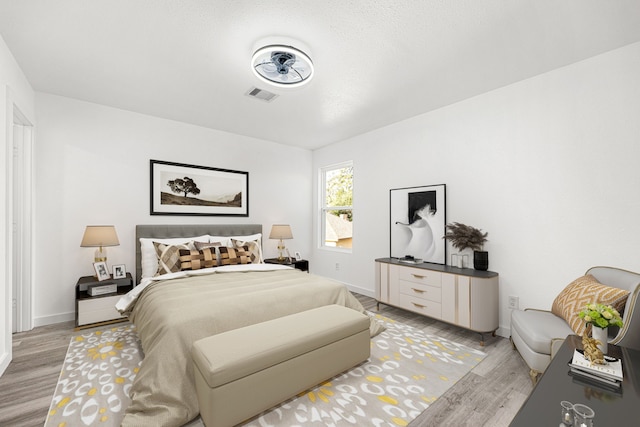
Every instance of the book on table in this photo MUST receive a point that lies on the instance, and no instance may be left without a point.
(609, 373)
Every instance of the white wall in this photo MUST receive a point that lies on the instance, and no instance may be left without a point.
(92, 167)
(15, 92)
(548, 166)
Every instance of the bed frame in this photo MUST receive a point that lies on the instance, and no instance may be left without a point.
(164, 231)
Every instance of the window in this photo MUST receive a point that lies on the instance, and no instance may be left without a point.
(336, 206)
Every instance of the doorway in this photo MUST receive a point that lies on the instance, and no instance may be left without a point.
(21, 223)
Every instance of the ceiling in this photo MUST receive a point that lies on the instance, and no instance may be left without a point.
(376, 61)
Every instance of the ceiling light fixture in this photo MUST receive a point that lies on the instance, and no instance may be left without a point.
(282, 65)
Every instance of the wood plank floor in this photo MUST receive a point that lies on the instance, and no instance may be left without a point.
(489, 395)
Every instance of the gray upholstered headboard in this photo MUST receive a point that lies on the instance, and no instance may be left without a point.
(188, 230)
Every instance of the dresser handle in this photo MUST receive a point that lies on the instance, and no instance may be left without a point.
(418, 305)
(417, 276)
(420, 291)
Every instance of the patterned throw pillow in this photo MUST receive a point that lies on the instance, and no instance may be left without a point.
(582, 291)
(196, 259)
(254, 249)
(234, 256)
(213, 245)
(169, 256)
(203, 245)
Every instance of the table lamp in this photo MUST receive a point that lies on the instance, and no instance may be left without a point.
(280, 231)
(99, 236)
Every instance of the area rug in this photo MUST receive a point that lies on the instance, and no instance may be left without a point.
(407, 371)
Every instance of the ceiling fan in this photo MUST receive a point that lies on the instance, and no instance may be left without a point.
(282, 65)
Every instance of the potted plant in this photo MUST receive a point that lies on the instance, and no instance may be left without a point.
(600, 317)
(466, 237)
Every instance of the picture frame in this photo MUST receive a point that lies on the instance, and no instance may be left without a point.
(119, 271)
(101, 271)
(183, 189)
(297, 255)
(418, 223)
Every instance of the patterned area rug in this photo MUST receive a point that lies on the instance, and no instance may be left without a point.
(408, 370)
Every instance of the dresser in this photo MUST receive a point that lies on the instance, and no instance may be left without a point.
(461, 296)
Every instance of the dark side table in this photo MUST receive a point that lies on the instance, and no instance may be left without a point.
(612, 408)
(301, 264)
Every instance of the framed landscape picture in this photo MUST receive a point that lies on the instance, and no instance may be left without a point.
(181, 189)
(418, 223)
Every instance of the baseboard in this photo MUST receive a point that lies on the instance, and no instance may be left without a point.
(4, 362)
(503, 332)
(55, 318)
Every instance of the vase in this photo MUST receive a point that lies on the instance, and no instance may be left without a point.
(600, 334)
(481, 260)
(459, 260)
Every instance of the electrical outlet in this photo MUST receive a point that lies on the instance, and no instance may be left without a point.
(513, 302)
(337, 266)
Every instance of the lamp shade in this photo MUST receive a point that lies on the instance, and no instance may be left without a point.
(99, 235)
(280, 231)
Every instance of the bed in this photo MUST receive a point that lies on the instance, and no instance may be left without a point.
(175, 309)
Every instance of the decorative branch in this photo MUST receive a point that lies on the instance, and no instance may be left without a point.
(464, 236)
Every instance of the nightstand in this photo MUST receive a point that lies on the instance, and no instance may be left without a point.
(100, 309)
(302, 264)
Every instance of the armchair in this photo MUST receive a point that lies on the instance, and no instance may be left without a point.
(538, 334)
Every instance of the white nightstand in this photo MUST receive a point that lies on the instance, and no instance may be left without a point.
(99, 310)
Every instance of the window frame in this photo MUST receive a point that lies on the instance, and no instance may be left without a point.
(324, 208)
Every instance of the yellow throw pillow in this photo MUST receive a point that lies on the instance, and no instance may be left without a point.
(582, 291)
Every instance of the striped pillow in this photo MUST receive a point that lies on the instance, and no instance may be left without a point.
(169, 256)
(235, 256)
(582, 291)
(196, 259)
(253, 247)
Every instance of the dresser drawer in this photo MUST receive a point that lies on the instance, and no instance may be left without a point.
(422, 306)
(420, 275)
(99, 309)
(418, 290)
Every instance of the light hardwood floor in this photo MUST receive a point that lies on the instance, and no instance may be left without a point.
(489, 395)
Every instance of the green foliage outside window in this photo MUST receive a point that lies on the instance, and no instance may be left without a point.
(340, 190)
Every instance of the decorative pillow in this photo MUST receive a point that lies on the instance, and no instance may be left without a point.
(254, 249)
(149, 257)
(234, 256)
(582, 291)
(196, 259)
(169, 256)
(213, 245)
(204, 245)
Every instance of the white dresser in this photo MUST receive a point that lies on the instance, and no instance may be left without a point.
(461, 296)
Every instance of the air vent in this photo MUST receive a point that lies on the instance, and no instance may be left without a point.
(261, 94)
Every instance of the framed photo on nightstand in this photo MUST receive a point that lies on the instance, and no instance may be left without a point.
(119, 271)
(298, 257)
(101, 270)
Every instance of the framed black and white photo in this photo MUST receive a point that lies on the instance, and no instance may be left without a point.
(181, 189)
(297, 256)
(418, 223)
(119, 271)
(101, 271)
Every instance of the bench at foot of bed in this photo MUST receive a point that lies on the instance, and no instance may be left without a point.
(243, 372)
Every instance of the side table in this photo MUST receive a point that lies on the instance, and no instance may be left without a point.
(301, 264)
(99, 310)
(542, 407)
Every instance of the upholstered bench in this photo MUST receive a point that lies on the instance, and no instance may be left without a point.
(243, 372)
